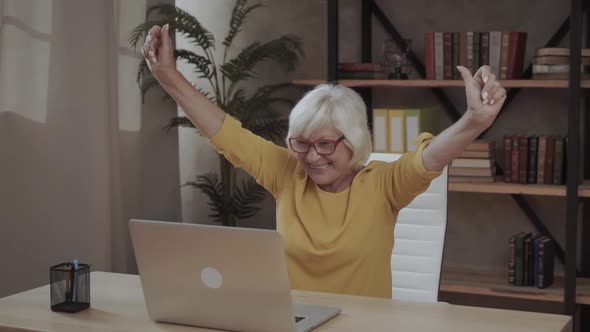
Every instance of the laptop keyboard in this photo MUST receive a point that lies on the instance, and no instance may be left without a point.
(298, 318)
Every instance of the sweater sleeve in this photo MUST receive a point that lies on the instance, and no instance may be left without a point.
(267, 162)
(407, 178)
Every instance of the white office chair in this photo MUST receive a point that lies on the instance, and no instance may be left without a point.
(419, 241)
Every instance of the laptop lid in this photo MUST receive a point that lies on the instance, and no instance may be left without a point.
(212, 276)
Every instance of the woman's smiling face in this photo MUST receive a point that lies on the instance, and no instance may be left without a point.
(330, 171)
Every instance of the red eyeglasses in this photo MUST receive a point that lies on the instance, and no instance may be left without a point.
(324, 147)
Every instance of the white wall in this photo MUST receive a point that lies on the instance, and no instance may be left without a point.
(79, 155)
(54, 202)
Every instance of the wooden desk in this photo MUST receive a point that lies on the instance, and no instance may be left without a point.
(117, 304)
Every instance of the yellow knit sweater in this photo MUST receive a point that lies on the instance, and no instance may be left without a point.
(334, 242)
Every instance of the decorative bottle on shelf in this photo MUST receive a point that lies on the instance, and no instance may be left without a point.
(396, 64)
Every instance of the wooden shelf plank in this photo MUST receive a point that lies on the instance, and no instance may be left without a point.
(584, 189)
(583, 291)
(561, 84)
(496, 284)
(501, 187)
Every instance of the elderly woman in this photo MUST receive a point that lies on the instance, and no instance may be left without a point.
(336, 215)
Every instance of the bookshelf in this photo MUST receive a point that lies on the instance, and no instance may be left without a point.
(550, 84)
(494, 284)
(570, 290)
(501, 187)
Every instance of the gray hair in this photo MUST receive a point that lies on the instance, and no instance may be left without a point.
(337, 106)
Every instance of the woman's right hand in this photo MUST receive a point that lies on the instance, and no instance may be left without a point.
(158, 52)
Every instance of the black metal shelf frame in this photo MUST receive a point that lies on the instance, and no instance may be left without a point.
(573, 25)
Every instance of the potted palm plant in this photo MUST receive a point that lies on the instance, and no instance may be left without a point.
(257, 111)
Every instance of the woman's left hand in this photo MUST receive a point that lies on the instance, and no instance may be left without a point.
(485, 95)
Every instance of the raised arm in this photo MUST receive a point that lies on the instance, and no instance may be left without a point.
(485, 98)
(159, 54)
(270, 164)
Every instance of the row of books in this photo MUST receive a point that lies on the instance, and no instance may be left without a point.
(534, 159)
(476, 163)
(547, 62)
(360, 71)
(531, 260)
(554, 63)
(503, 51)
(395, 130)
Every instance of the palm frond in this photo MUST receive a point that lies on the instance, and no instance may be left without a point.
(246, 198)
(272, 129)
(262, 104)
(138, 33)
(241, 67)
(270, 89)
(211, 186)
(185, 23)
(179, 121)
(201, 63)
(142, 70)
(286, 51)
(236, 104)
(239, 14)
(266, 94)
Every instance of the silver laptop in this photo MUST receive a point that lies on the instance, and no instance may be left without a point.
(219, 277)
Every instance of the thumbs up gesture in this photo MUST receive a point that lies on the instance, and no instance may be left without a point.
(485, 95)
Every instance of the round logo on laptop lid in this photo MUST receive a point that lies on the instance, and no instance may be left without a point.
(211, 277)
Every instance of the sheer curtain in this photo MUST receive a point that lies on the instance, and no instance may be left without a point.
(80, 153)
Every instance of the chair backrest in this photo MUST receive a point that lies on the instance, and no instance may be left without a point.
(419, 241)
